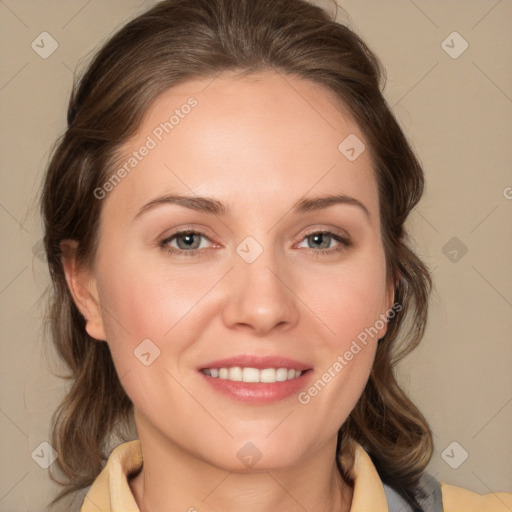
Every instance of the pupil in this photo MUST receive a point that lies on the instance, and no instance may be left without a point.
(188, 239)
(318, 236)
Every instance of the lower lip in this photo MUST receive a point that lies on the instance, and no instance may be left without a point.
(258, 392)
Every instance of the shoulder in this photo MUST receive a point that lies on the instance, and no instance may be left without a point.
(458, 499)
(371, 492)
(435, 496)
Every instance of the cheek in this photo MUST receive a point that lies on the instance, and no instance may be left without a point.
(151, 318)
(348, 311)
(148, 302)
(140, 304)
(339, 381)
(348, 301)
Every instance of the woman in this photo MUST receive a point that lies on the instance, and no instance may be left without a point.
(210, 145)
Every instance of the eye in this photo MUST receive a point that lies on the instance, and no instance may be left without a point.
(323, 240)
(188, 243)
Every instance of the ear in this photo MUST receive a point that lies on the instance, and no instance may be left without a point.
(82, 285)
(389, 307)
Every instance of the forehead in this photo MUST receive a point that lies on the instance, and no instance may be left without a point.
(262, 137)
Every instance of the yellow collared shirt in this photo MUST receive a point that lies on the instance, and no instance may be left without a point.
(111, 492)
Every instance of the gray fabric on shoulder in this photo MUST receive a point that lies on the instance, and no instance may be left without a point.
(428, 495)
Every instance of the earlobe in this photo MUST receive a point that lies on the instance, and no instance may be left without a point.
(82, 286)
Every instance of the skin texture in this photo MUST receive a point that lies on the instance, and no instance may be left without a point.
(259, 144)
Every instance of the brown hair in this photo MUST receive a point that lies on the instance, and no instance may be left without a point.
(181, 39)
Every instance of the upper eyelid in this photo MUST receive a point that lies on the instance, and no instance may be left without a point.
(185, 231)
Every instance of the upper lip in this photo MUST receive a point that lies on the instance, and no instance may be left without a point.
(259, 362)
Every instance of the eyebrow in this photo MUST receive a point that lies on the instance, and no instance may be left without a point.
(210, 205)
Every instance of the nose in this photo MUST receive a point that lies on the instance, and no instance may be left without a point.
(260, 297)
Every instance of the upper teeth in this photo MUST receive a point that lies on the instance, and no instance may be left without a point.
(253, 374)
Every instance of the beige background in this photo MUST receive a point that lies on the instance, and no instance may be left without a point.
(458, 114)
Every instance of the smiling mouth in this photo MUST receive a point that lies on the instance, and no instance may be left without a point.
(247, 374)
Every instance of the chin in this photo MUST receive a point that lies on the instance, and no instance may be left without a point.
(258, 455)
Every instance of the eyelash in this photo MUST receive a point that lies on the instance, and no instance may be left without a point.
(345, 243)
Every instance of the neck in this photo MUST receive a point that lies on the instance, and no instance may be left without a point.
(174, 479)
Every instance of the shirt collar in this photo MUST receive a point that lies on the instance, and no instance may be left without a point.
(111, 492)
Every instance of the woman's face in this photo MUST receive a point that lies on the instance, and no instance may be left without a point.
(257, 286)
